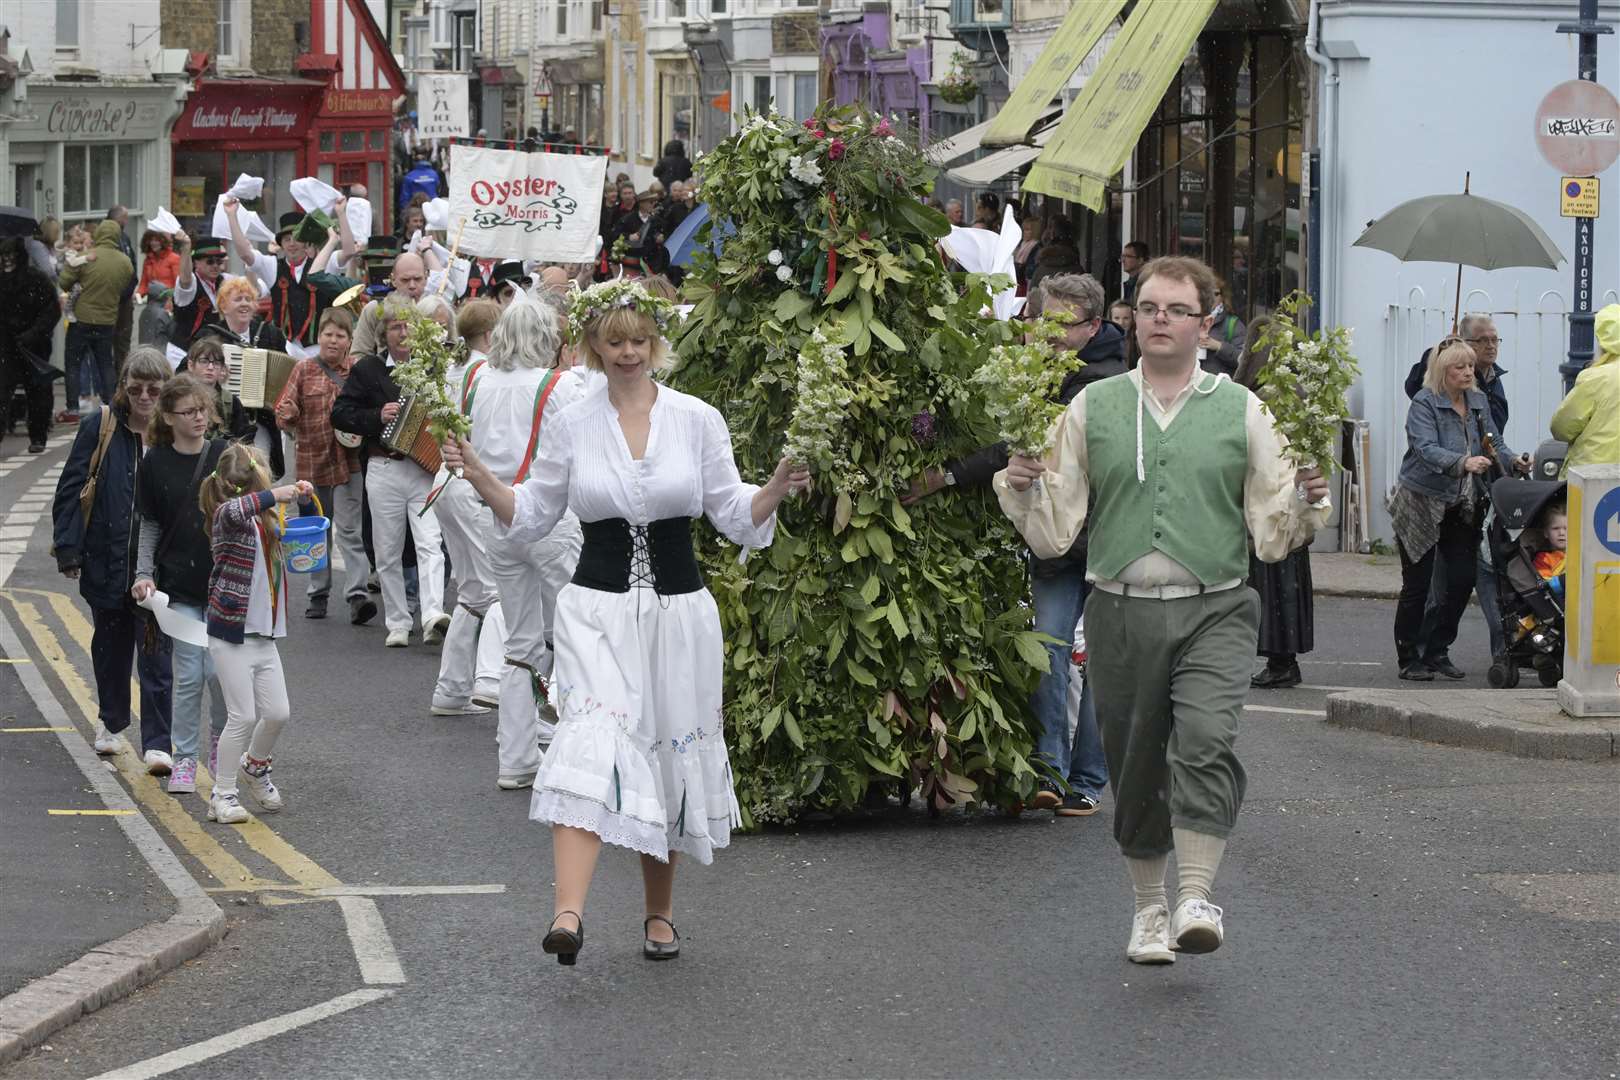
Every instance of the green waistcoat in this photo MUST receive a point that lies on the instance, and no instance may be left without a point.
(1191, 504)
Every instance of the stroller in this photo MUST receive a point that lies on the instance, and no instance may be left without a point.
(1531, 609)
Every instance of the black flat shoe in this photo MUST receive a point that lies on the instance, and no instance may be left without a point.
(1277, 679)
(660, 950)
(564, 944)
(1445, 667)
(1417, 672)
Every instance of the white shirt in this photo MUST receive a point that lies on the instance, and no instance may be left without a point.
(184, 294)
(503, 414)
(584, 465)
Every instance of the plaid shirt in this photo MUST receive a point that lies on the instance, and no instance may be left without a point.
(305, 409)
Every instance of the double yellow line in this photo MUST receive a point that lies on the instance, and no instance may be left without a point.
(203, 845)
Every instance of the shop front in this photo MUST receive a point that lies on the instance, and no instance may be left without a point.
(263, 127)
(76, 149)
(353, 133)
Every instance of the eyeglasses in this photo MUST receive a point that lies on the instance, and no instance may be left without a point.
(1491, 341)
(209, 361)
(145, 390)
(1447, 342)
(189, 414)
(210, 258)
(1175, 313)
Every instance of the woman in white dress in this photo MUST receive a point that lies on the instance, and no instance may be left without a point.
(639, 756)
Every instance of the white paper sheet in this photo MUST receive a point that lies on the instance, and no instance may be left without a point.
(163, 222)
(177, 626)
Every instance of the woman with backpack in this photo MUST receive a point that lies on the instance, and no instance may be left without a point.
(94, 541)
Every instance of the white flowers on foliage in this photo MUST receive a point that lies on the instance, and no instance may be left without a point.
(1019, 384)
(775, 257)
(815, 433)
(805, 169)
(423, 376)
(784, 273)
(1304, 383)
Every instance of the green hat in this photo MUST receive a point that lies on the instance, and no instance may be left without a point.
(313, 228)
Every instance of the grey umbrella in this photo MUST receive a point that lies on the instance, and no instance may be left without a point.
(1463, 229)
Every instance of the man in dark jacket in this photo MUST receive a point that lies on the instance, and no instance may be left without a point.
(29, 308)
(124, 328)
(1059, 585)
(673, 165)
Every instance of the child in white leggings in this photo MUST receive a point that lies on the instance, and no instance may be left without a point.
(247, 611)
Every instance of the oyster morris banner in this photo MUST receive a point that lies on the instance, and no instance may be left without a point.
(518, 205)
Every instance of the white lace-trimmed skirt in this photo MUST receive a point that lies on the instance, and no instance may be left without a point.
(639, 756)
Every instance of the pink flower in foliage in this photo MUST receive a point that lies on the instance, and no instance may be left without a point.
(835, 149)
(883, 128)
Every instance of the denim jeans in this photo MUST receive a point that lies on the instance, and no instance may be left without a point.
(1059, 602)
(92, 345)
(115, 645)
(193, 670)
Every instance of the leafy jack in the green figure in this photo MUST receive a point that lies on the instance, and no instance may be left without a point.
(870, 644)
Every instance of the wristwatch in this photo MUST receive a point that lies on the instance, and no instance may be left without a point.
(949, 477)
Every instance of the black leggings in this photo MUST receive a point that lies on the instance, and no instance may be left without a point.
(1428, 637)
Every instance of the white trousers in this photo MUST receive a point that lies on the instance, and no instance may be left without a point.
(256, 706)
(397, 491)
(475, 647)
(342, 503)
(529, 577)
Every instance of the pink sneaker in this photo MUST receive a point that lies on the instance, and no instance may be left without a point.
(183, 780)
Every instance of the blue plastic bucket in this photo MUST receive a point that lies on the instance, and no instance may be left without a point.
(303, 543)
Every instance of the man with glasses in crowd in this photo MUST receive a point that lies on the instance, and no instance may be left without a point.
(1177, 470)
(202, 265)
(1478, 330)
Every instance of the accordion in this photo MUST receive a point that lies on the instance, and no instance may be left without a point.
(409, 434)
(256, 376)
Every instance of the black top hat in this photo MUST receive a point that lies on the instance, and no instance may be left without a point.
(383, 244)
(207, 245)
(508, 271)
(288, 222)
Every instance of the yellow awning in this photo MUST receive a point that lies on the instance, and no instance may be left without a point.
(1100, 129)
(1082, 28)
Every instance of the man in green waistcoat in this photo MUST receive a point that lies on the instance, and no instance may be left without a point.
(1182, 469)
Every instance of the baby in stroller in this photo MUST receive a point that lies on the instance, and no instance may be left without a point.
(1529, 533)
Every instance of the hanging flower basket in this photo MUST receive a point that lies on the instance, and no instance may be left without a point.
(958, 87)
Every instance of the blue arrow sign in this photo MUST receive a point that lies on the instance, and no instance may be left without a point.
(1606, 520)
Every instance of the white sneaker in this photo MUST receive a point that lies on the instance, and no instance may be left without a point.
(398, 639)
(158, 763)
(225, 808)
(515, 783)
(433, 633)
(259, 787)
(1196, 926)
(488, 696)
(106, 743)
(472, 708)
(1150, 937)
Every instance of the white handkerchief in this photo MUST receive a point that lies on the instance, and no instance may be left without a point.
(177, 626)
(247, 187)
(437, 214)
(314, 194)
(163, 222)
(252, 227)
(359, 212)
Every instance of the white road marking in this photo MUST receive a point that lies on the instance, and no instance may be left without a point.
(407, 890)
(373, 948)
(1332, 689)
(219, 1045)
(1280, 709)
(1346, 663)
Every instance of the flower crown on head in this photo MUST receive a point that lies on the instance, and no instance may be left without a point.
(607, 296)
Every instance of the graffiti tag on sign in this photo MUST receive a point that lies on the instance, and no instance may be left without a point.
(519, 205)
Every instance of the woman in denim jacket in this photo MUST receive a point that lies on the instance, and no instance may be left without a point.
(1438, 507)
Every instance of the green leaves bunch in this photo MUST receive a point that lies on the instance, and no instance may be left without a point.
(1020, 384)
(1305, 383)
(871, 644)
(426, 373)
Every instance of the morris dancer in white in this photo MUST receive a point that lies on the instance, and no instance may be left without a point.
(639, 758)
(473, 657)
(511, 399)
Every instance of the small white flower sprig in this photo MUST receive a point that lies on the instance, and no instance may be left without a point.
(1020, 384)
(1304, 383)
(816, 432)
(606, 296)
(424, 375)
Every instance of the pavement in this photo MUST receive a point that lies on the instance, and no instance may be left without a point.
(1338, 573)
(388, 921)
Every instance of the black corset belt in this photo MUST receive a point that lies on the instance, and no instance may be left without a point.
(618, 556)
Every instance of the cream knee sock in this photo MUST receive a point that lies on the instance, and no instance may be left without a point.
(1198, 856)
(1147, 880)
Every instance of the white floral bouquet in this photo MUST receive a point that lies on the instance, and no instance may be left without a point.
(1020, 385)
(816, 433)
(425, 376)
(1304, 382)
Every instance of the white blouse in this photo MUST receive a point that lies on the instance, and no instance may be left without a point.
(584, 465)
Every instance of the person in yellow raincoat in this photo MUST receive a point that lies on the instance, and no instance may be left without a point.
(1589, 418)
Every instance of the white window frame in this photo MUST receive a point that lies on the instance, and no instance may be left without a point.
(233, 28)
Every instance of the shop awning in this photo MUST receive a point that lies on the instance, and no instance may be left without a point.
(1101, 127)
(1082, 28)
(966, 142)
(992, 167)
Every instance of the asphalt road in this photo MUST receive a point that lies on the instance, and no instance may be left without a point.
(1392, 909)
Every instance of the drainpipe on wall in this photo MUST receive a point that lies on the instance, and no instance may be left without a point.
(1323, 244)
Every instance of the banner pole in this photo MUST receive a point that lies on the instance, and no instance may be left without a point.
(455, 247)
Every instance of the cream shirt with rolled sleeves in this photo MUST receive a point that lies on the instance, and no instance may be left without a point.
(1051, 514)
